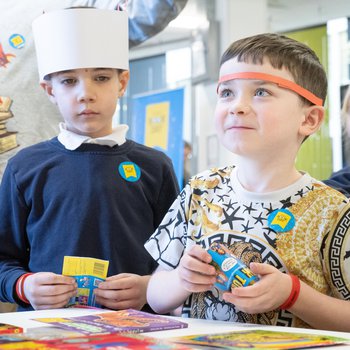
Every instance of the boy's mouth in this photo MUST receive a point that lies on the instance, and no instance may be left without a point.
(88, 112)
(237, 127)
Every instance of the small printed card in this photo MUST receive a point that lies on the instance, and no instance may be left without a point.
(89, 273)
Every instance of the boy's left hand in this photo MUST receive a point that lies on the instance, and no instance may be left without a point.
(268, 294)
(123, 291)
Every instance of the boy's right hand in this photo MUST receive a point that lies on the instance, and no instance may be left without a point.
(195, 272)
(47, 290)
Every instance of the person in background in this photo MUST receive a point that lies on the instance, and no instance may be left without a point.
(289, 228)
(340, 180)
(89, 191)
(30, 107)
(187, 165)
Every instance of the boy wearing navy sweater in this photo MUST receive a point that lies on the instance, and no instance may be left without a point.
(88, 192)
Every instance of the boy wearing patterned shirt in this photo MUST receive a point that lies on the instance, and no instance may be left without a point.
(290, 229)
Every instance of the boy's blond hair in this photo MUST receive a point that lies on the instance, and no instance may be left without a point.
(282, 52)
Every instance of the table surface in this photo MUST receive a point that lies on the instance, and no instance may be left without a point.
(195, 326)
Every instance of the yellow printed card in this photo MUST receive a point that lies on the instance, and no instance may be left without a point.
(75, 265)
(89, 273)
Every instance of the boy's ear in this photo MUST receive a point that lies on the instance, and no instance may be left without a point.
(47, 86)
(123, 81)
(314, 116)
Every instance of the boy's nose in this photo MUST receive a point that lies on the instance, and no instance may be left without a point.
(86, 93)
(239, 106)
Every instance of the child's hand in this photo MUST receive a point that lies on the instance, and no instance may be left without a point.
(195, 272)
(268, 294)
(123, 291)
(47, 290)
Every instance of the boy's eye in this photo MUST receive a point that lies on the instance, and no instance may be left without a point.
(68, 81)
(261, 93)
(225, 93)
(102, 78)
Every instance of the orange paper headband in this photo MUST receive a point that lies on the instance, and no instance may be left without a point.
(283, 83)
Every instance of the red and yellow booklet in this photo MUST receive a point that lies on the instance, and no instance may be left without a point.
(9, 329)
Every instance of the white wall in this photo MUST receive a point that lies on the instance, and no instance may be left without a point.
(286, 15)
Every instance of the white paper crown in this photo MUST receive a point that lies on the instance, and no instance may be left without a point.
(81, 38)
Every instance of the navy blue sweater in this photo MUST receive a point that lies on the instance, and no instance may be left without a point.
(55, 202)
(340, 180)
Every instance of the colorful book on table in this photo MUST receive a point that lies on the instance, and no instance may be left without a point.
(101, 342)
(131, 321)
(259, 339)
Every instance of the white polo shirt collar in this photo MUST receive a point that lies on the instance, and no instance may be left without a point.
(72, 141)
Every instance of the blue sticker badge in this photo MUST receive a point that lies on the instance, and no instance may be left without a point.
(17, 41)
(281, 220)
(129, 171)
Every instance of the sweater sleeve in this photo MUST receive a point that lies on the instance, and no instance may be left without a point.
(14, 250)
(168, 193)
(340, 181)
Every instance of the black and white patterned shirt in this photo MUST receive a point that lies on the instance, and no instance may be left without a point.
(215, 207)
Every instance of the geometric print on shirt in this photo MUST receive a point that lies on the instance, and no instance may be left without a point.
(215, 207)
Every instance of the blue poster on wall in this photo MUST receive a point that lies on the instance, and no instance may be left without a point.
(157, 122)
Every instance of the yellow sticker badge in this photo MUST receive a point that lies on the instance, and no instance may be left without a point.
(281, 220)
(129, 171)
(17, 41)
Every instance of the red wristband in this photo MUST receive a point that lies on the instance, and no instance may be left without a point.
(20, 287)
(294, 294)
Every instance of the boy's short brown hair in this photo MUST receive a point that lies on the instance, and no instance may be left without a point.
(281, 51)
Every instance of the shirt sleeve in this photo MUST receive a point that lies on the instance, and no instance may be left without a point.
(169, 241)
(14, 253)
(149, 17)
(337, 256)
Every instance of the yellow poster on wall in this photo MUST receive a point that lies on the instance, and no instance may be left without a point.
(157, 125)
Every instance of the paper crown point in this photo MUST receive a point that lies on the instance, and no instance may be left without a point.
(81, 38)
